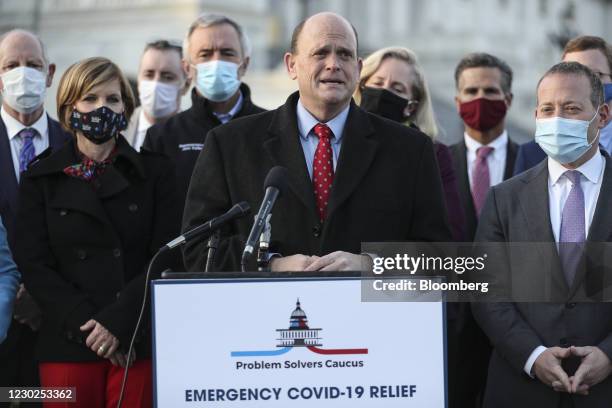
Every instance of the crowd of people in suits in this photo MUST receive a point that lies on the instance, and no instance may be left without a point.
(87, 199)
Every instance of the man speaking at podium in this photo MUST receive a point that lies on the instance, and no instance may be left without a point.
(353, 176)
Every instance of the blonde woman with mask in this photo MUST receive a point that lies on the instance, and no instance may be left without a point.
(392, 85)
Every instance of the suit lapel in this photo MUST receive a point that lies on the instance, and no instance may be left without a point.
(463, 183)
(535, 205)
(57, 136)
(511, 150)
(356, 154)
(77, 195)
(283, 147)
(536, 210)
(461, 159)
(10, 187)
(601, 226)
(7, 169)
(113, 181)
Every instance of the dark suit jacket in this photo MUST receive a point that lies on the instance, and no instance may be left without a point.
(18, 334)
(83, 248)
(518, 211)
(9, 186)
(386, 187)
(529, 154)
(459, 153)
(452, 199)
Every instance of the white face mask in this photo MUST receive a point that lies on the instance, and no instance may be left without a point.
(24, 88)
(158, 99)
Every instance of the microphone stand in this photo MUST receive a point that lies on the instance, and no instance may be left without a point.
(237, 210)
(263, 258)
(212, 245)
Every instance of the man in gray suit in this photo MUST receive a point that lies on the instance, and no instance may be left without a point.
(554, 354)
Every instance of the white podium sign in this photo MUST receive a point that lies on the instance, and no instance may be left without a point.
(293, 343)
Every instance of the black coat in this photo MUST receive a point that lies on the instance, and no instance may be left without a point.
(83, 251)
(182, 136)
(386, 188)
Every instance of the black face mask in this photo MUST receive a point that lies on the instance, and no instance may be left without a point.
(100, 125)
(384, 103)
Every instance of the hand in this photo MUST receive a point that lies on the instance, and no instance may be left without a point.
(100, 340)
(120, 360)
(341, 261)
(26, 311)
(594, 368)
(547, 368)
(291, 263)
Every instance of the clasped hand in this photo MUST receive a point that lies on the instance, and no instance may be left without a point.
(595, 366)
(104, 344)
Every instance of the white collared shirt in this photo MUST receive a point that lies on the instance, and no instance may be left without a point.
(306, 122)
(496, 160)
(143, 125)
(559, 188)
(13, 127)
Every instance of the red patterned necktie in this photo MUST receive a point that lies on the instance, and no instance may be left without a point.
(323, 168)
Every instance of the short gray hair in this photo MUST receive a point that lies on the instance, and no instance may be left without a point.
(210, 20)
(19, 30)
(575, 68)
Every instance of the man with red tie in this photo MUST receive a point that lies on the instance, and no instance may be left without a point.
(353, 176)
(485, 156)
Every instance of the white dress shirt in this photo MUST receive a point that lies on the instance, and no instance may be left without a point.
(558, 190)
(496, 160)
(309, 141)
(143, 125)
(13, 127)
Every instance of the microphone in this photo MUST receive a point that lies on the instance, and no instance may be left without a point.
(274, 185)
(237, 211)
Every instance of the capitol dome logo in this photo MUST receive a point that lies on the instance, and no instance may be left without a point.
(299, 334)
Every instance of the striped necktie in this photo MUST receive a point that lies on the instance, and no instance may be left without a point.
(27, 152)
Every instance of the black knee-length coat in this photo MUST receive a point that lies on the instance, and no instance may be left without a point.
(83, 247)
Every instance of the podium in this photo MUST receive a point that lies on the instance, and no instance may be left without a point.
(292, 340)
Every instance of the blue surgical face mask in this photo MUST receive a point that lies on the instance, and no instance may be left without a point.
(217, 80)
(607, 92)
(564, 140)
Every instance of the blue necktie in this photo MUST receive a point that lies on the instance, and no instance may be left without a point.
(27, 152)
(572, 234)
